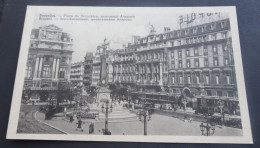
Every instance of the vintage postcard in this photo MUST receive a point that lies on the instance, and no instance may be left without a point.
(147, 74)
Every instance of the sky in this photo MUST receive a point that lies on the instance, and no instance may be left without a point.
(87, 35)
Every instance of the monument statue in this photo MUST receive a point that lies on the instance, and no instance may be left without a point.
(103, 67)
(103, 93)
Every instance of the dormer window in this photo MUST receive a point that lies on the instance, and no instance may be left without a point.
(187, 41)
(187, 52)
(178, 34)
(191, 40)
(171, 35)
(203, 29)
(195, 30)
(186, 32)
(223, 24)
(224, 35)
(213, 36)
(212, 26)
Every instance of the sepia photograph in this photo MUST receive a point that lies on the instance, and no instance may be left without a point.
(130, 74)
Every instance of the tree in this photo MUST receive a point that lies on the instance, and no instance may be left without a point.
(113, 88)
(122, 92)
(92, 91)
(63, 92)
(26, 94)
(44, 95)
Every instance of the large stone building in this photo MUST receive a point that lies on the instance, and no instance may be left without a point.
(195, 60)
(77, 73)
(96, 68)
(88, 67)
(110, 52)
(49, 60)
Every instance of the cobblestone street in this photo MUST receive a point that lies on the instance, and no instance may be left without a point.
(158, 125)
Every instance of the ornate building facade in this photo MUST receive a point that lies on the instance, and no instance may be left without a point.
(88, 68)
(97, 66)
(197, 58)
(49, 59)
(77, 73)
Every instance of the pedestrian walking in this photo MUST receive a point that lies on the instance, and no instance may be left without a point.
(91, 128)
(71, 119)
(80, 125)
(191, 119)
(65, 111)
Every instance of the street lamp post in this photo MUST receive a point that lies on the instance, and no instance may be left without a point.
(221, 106)
(128, 98)
(106, 115)
(185, 103)
(145, 113)
(208, 129)
(26, 92)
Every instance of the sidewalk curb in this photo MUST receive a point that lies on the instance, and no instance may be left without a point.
(48, 124)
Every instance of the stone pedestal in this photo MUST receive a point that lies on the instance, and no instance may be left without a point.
(103, 95)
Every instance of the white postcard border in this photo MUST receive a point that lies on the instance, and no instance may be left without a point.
(17, 93)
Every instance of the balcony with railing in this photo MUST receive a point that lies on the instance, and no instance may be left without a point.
(177, 84)
(221, 86)
(201, 85)
(153, 47)
(165, 83)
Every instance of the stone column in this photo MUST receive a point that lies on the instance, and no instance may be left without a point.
(116, 73)
(220, 77)
(68, 71)
(36, 68)
(146, 72)
(40, 67)
(210, 74)
(200, 77)
(161, 80)
(152, 72)
(121, 73)
(57, 68)
(183, 77)
(175, 77)
(53, 67)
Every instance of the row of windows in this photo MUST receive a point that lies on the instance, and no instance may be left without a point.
(126, 69)
(197, 63)
(180, 80)
(46, 72)
(199, 39)
(219, 93)
(143, 69)
(198, 80)
(205, 50)
(189, 31)
(154, 55)
(47, 58)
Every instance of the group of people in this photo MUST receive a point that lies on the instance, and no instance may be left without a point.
(80, 125)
